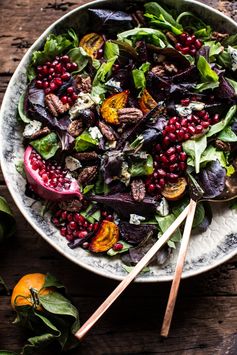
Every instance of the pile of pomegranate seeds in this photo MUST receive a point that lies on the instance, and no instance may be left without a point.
(52, 75)
(51, 173)
(170, 161)
(188, 44)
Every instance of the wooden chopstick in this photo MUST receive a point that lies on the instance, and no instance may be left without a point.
(131, 276)
(178, 270)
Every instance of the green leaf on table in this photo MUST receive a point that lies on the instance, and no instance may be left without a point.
(7, 221)
(195, 148)
(79, 56)
(159, 17)
(218, 127)
(58, 304)
(21, 110)
(51, 281)
(46, 146)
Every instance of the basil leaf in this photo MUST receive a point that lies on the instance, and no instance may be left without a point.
(7, 221)
(216, 128)
(195, 148)
(207, 74)
(199, 213)
(54, 45)
(79, 56)
(46, 146)
(21, 110)
(57, 304)
(85, 142)
(227, 135)
(73, 36)
(160, 17)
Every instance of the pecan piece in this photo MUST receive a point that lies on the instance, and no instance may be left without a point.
(87, 175)
(138, 190)
(158, 70)
(171, 37)
(40, 133)
(75, 128)
(171, 68)
(106, 131)
(83, 83)
(86, 156)
(224, 146)
(71, 205)
(219, 36)
(55, 105)
(129, 115)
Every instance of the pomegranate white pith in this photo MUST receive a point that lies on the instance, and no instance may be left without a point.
(47, 179)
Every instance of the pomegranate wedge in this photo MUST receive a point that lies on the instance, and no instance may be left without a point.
(48, 179)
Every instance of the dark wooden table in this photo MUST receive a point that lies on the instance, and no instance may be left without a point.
(205, 320)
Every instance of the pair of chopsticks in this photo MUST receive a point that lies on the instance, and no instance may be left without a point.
(188, 212)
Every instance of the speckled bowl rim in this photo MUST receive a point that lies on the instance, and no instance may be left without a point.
(186, 274)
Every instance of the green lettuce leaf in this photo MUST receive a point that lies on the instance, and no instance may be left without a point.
(150, 35)
(126, 247)
(139, 76)
(227, 135)
(85, 142)
(21, 111)
(218, 127)
(111, 50)
(142, 167)
(79, 56)
(164, 223)
(46, 146)
(195, 148)
(207, 74)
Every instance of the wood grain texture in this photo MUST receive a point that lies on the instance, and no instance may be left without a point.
(205, 319)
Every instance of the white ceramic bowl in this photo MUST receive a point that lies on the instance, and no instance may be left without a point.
(206, 251)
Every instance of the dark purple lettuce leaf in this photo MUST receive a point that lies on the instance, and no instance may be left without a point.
(141, 49)
(35, 108)
(204, 51)
(135, 234)
(110, 20)
(225, 90)
(135, 254)
(124, 205)
(112, 165)
(158, 87)
(212, 179)
(151, 136)
(66, 84)
(159, 124)
(171, 55)
(202, 227)
(67, 141)
(189, 75)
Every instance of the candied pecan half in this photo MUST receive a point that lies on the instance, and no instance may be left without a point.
(107, 131)
(171, 68)
(71, 205)
(158, 70)
(138, 190)
(224, 146)
(75, 128)
(219, 36)
(55, 105)
(171, 37)
(87, 175)
(86, 156)
(83, 83)
(129, 115)
(40, 133)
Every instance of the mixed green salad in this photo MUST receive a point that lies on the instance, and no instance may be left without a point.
(131, 110)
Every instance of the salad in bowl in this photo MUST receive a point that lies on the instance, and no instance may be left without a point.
(119, 119)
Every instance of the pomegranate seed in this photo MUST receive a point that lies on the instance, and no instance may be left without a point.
(58, 68)
(186, 136)
(158, 188)
(195, 119)
(39, 69)
(185, 102)
(74, 96)
(171, 128)
(173, 177)
(64, 99)
(183, 37)
(45, 178)
(198, 43)
(66, 76)
(205, 124)
(58, 82)
(53, 86)
(85, 245)
(63, 231)
(39, 84)
(183, 156)
(40, 76)
(172, 137)
(177, 125)
(198, 129)
(82, 234)
(96, 226)
(44, 70)
(191, 129)
(65, 58)
(104, 214)
(202, 113)
(51, 70)
(69, 237)
(64, 215)
(182, 165)
(193, 52)
(45, 84)
(99, 53)
(172, 158)
(158, 147)
(185, 50)
(68, 66)
(189, 41)
(72, 225)
(69, 100)
(171, 150)
(164, 159)
(173, 167)
(70, 217)
(166, 141)
(178, 148)
(162, 183)
(70, 90)
(118, 247)
(184, 122)
(180, 135)
(74, 66)
(151, 188)
(173, 120)
(216, 118)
